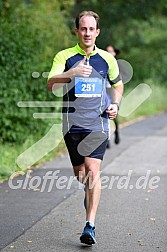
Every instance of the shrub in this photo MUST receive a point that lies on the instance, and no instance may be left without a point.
(30, 37)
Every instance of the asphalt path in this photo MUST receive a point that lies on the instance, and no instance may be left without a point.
(132, 215)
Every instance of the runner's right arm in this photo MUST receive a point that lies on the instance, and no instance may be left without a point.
(57, 77)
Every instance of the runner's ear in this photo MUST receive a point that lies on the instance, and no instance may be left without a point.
(97, 32)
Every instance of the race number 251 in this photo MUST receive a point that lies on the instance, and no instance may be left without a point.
(88, 87)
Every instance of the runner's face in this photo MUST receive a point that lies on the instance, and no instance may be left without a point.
(87, 32)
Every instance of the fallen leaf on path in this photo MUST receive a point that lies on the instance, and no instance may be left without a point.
(140, 243)
(37, 189)
(149, 190)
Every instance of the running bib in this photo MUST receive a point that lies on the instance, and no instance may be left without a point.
(88, 87)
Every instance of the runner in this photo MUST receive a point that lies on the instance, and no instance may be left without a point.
(82, 71)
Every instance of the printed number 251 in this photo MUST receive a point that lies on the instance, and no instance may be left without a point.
(88, 87)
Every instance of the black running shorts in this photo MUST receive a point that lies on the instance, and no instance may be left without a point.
(86, 144)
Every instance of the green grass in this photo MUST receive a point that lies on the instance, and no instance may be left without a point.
(9, 153)
(156, 103)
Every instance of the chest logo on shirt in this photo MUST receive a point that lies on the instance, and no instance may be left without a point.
(88, 87)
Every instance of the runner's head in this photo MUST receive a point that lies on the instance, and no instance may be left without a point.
(90, 14)
(87, 29)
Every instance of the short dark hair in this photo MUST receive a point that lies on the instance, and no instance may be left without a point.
(87, 13)
(116, 50)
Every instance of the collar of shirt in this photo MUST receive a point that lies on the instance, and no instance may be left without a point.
(82, 52)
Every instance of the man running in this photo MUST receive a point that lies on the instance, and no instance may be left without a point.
(82, 71)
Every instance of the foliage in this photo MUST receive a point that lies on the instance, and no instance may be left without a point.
(138, 29)
(30, 37)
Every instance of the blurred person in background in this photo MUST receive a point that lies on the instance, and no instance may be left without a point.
(114, 52)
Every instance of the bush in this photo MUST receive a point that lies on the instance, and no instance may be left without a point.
(30, 37)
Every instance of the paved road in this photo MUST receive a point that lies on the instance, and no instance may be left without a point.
(132, 215)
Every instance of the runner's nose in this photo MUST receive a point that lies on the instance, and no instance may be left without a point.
(87, 32)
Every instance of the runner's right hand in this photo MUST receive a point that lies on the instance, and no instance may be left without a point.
(82, 70)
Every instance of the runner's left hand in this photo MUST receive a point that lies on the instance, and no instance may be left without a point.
(112, 111)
